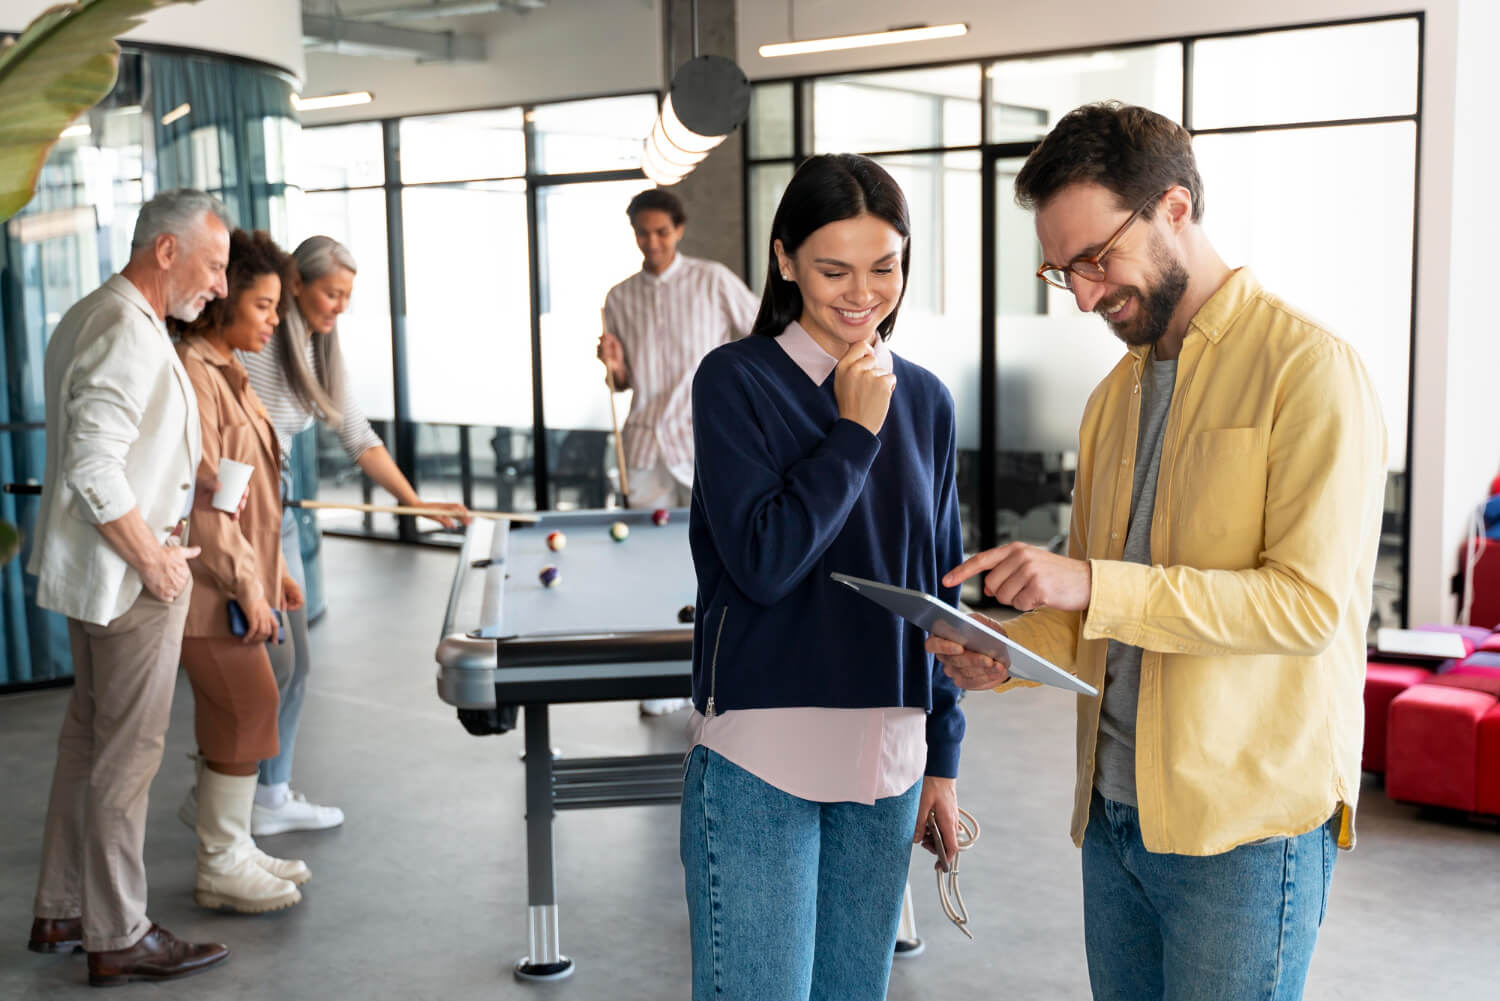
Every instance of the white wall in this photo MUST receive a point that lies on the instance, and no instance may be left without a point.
(1455, 424)
(570, 48)
(269, 31)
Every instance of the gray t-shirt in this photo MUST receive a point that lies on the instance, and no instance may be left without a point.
(1115, 756)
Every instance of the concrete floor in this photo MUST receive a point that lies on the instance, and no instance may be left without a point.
(422, 895)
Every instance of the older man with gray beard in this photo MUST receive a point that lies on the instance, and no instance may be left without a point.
(110, 554)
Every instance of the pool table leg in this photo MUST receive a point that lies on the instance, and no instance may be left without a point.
(545, 961)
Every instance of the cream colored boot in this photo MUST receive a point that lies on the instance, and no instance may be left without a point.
(294, 870)
(228, 872)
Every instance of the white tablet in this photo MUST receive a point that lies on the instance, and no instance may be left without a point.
(946, 622)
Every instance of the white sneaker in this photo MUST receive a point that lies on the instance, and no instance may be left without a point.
(294, 814)
(661, 707)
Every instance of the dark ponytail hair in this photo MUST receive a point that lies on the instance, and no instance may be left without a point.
(826, 189)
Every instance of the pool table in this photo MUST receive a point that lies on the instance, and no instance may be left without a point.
(609, 628)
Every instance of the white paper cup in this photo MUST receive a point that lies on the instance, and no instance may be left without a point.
(234, 477)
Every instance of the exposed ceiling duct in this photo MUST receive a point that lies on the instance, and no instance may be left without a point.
(348, 36)
(443, 8)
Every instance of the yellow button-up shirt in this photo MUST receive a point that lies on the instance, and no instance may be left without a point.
(1252, 616)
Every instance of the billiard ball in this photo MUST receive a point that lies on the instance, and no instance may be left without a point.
(619, 531)
(556, 540)
(660, 516)
(548, 576)
(685, 614)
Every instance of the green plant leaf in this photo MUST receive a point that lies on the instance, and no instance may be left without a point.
(10, 542)
(62, 64)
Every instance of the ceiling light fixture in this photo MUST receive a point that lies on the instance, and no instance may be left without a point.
(73, 131)
(332, 101)
(709, 98)
(895, 36)
(181, 111)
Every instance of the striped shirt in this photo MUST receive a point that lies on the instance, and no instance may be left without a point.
(667, 323)
(289, 415)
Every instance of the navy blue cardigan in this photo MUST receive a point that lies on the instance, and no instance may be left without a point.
(785, 493)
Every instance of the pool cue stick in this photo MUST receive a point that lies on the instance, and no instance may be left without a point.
(36, 488)
(430, 512)
(609, 383)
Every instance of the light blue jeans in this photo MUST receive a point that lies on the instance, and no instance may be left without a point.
(1239, 926)
(289, 661)
(788, 899)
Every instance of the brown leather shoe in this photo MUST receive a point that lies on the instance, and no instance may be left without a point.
(159, 955)
(56, 935)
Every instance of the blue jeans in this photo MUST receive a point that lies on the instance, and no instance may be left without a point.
(289, 661)
(788, 899)
(1239, 926)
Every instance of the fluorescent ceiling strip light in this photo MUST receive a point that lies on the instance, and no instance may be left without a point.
(840, 42)
(72, 131)
(181, 111)
(332, 101)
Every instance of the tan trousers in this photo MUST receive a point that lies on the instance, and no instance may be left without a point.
(108, 752)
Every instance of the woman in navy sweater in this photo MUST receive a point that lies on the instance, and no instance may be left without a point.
(825, 739)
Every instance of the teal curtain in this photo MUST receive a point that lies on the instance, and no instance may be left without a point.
(227, 124)
(33, 641)
(229, 139)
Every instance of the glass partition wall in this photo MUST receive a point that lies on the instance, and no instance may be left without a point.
(1319, 155)
(491, 237)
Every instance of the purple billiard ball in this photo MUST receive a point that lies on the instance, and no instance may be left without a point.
(661, 516)
(548, 576)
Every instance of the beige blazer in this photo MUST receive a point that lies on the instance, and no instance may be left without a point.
(122, 434)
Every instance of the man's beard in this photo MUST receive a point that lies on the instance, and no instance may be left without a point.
(186, 307)
(1155, 304)
(187, 311)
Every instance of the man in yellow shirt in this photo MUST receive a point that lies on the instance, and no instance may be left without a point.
(1217, 583)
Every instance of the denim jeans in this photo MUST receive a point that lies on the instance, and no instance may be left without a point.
(1239, 926)
(289, 661)
(788, 899)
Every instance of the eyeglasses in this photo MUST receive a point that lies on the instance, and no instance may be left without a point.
(1089, 268)
(947, 882)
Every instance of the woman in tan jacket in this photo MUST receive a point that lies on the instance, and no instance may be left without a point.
(234, 689)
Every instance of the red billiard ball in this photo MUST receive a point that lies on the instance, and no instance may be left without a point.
(556, 540)
(661, 516)
(548, 576)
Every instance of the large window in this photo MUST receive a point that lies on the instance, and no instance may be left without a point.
(513, 228)
(1320, 153)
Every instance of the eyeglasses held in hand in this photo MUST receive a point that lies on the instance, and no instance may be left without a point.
(947, 878)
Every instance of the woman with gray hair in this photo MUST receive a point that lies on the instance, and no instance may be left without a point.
(300, 377)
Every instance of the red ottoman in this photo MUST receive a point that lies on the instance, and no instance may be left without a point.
(1489, 762)
(1433, 743)
(1383, 682)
